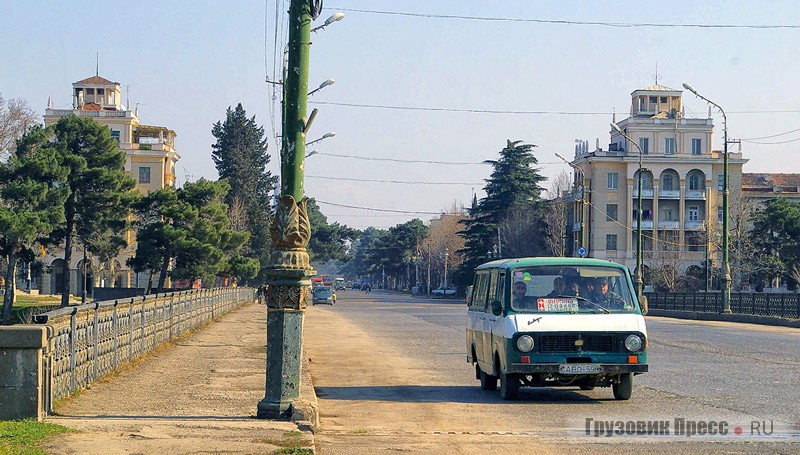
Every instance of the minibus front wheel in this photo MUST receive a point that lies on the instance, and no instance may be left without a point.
(624, 387)
(509, 386)
(488, 381)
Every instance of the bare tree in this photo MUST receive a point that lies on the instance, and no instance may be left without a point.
(237, 213)
(516, 232)
(664, 270)
(743, 257)
(16, 117)
(556, 214)
(443, 237)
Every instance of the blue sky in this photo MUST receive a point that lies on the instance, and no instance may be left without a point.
(185, 62)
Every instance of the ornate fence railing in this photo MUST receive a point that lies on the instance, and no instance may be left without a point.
(89, 341)
(782, 305)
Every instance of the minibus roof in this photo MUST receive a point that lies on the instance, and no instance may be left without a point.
(547, 261)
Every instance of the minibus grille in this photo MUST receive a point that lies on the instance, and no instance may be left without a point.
(566, 342)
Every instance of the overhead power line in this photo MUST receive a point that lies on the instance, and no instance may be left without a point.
(448, 109)
(771, 136)
(505, 112)
(392, 181)
(770, 143)
(569, 22)
(398, 160)
(378, 210)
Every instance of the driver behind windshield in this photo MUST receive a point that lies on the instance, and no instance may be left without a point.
(602, 296)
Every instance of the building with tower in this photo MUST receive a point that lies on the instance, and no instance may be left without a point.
(150, 160)
(681, 187)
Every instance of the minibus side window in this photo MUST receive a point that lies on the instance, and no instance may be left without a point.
(479, 296)
(500, 288)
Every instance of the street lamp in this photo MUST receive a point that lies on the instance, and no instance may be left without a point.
(726, 269)
(638, 216)
(322, 86)
(312, 153)
(324, 136)
(583, 193)
(337, 16)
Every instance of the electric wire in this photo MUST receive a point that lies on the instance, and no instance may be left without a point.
(571, 22)
(404, 182)
(377, 209)
(771, 136)
(398, 160)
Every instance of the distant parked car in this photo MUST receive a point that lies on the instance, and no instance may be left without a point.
(323, 294)
(443, 291)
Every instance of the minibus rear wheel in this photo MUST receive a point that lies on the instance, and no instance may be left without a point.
(623, 388)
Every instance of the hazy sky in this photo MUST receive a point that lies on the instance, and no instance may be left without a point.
(185, 62)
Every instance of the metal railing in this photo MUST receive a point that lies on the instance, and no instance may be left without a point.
(89, 341)
(782, 305)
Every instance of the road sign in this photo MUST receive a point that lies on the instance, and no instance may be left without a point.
(582, 252)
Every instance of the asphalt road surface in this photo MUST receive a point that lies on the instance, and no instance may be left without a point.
(391, 375)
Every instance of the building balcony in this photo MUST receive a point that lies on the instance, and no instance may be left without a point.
(646, 192)
(669, 194)
(697, 225)
(698, 195)
(646, 224)
(93, 114)
(669, 225)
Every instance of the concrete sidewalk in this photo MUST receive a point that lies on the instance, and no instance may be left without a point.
(196, 395)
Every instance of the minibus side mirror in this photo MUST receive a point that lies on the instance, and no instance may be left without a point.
(644, 304)
(497, 307)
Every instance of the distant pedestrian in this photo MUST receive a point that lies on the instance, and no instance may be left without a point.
(368, 288)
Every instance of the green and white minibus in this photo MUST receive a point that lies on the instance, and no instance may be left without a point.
(556, 322)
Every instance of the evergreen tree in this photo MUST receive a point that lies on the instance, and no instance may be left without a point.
(240, 155)
(99, 190)
(32, 202)
(328, 241)
(513, 186)
(190, 229)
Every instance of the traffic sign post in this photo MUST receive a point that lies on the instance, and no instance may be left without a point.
(582, 252)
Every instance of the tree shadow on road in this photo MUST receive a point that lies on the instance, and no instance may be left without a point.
(456, 394)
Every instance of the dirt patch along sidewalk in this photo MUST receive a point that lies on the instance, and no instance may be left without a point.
(195, 395)
(375, 398)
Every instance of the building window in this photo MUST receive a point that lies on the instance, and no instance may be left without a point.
(653, 99)
(697, 146)
(144, 174)
(667, 186)
(693, 213)
(721, 182)
(613, 180)
(694, 183)
(90, 91)
(720, 214)
(663, 99)
(667, 214)
(612, 212)
(115, 135)
(611, 241)
(669, 146)
(101, 91)
(644, 144)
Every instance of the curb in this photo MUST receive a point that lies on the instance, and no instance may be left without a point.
(305, 411)
(740, 318)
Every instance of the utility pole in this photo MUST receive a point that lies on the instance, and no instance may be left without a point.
(289, 270)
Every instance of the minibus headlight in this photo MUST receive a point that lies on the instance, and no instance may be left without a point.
(525, 343)
(633, 343)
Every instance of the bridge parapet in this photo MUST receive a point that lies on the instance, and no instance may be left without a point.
(83, 343)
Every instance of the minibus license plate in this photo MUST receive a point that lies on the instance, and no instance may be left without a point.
(579, 368)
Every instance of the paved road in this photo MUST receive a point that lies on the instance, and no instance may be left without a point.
(391, 375)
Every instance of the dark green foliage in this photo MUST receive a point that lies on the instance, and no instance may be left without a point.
(100, 193)
(240, 155)
(190, 229)
(31, 201)
(328, 241)
(776, 236)
(514, 185)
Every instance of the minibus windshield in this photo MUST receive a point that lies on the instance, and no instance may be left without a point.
(571, 289)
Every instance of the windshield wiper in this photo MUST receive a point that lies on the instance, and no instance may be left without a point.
(584, 299)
